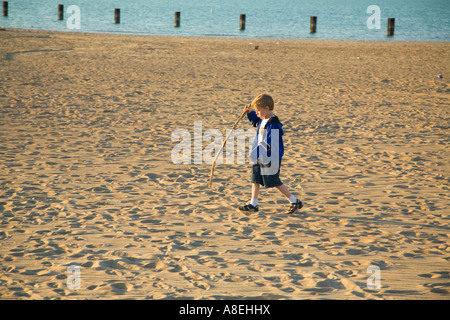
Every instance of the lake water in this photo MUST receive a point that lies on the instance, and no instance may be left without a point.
(416, 20)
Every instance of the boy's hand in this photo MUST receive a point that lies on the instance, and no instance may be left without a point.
(247, 108)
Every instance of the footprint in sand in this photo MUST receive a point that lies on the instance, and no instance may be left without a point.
(442, 284)
(121, 287)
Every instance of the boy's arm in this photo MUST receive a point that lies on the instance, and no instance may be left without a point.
(251, 115)
(253, 118)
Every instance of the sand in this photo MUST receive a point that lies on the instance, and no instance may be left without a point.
(87, 180)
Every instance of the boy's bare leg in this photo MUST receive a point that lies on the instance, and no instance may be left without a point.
(295, 203)
(255, 190)
(284, 190)
(253, 205)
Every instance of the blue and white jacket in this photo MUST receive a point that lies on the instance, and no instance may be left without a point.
(260, 150)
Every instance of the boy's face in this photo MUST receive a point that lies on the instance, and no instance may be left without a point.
(263, 112)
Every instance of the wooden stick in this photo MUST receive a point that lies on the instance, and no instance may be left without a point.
(313, 24)
(221, 148)
(177, 19)
(242, 22)
(5, 8)
(391, 27)
(60, 12)
(117, 15)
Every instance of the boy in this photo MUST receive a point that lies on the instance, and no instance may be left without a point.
(267, 151)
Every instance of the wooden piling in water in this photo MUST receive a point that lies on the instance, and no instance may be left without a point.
(242, 22)
(116, 15)
(391, 27)
(60, 12)
(5, 8)
(177, 19)
(313, 24)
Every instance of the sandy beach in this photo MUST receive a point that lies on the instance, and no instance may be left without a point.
(88, 184)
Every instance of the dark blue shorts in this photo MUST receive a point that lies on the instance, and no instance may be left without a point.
(268, 181)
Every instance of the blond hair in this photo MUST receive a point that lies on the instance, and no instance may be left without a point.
(263, 100)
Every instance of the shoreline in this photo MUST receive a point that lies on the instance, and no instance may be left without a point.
(4, 29)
